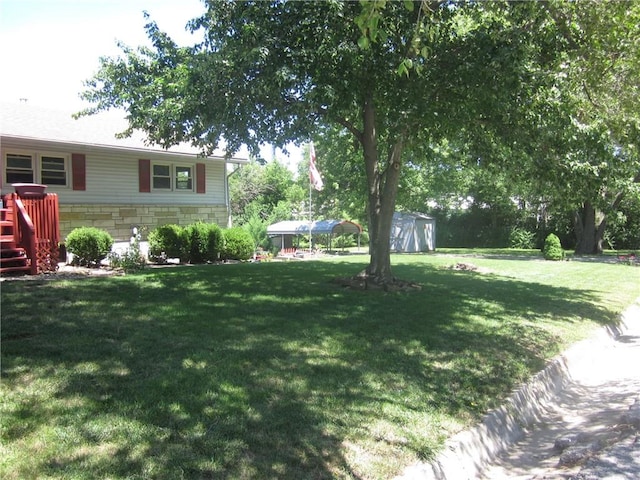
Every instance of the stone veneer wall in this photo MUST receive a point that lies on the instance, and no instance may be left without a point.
(118, 220)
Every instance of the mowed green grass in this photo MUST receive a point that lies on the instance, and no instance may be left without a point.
(272, 371)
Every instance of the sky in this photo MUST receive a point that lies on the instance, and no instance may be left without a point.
(49, 47)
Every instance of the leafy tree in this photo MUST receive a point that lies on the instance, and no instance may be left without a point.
(246, 185)
(257, 228)
(265, 191)
(625, 226)
(345, 191)
(596, 85)
(398, 77)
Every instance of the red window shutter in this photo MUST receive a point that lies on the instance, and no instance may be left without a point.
(201, 179)
(144, 175)
(78, 171)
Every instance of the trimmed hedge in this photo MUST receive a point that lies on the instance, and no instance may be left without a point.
(552, 248)
(238, 244)
(166, 241)
(204, 242)
(89, 245)
(199, 242)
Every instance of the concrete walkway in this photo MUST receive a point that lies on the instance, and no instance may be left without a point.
(579, 419)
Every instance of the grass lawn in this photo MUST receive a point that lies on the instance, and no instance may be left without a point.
(271, 371)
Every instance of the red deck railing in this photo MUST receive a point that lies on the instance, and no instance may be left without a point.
(37, 228)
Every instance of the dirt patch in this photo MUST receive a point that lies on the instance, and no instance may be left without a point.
(360, 282)
(64, 272)
(468, 267)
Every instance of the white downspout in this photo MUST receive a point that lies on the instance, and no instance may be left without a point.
(227, 195)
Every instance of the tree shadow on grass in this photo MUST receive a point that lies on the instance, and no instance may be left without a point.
(266, 371)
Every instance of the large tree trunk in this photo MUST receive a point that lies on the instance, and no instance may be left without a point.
(379, 269)
(589, 228)
(382, 185)
(590, 224)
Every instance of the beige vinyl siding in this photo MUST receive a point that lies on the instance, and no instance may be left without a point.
(112, 175)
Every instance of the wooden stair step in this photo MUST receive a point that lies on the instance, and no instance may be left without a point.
(13, 253)
(16, 269)
(14, 261)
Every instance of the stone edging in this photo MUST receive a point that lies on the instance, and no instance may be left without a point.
(467, 453)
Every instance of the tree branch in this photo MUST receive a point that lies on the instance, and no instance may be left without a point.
(561, 22)
(343, 122)
(618, 197)
(589, 97)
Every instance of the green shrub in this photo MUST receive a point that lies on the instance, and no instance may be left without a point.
(214, 242)
(345, 241)
(238, 244)
(522, 238)
(257, 228)
(553, 248)
(204, 242)
(89, 245)
(196, 242)
(166, 241)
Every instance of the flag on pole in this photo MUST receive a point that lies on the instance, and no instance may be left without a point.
(314, 174)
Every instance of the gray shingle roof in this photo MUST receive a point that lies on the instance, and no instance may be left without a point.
(31, 122)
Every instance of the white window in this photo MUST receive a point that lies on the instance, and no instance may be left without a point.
(184, 178)
(53, 170)
(48, 169)
(172, 177)
(19, 169)
(161, 177)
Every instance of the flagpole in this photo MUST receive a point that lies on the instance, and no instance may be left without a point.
(311, 160)
(315, 181)
(310, 216)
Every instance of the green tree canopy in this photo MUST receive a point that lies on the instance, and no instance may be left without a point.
(277, 71)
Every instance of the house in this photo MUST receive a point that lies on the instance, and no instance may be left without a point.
(111, 183)
(412, 232)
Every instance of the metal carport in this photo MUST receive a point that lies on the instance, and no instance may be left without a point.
(319, 227)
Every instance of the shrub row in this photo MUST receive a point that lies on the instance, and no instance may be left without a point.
(196, 243)
(199, 243)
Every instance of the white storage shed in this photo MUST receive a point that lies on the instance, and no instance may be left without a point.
(412, 232)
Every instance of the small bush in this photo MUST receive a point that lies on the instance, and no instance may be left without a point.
(238, 244)
(132, 259)
(204, 242)
(521, 238)
(166, 241)
(89, 245)
(553, 248)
